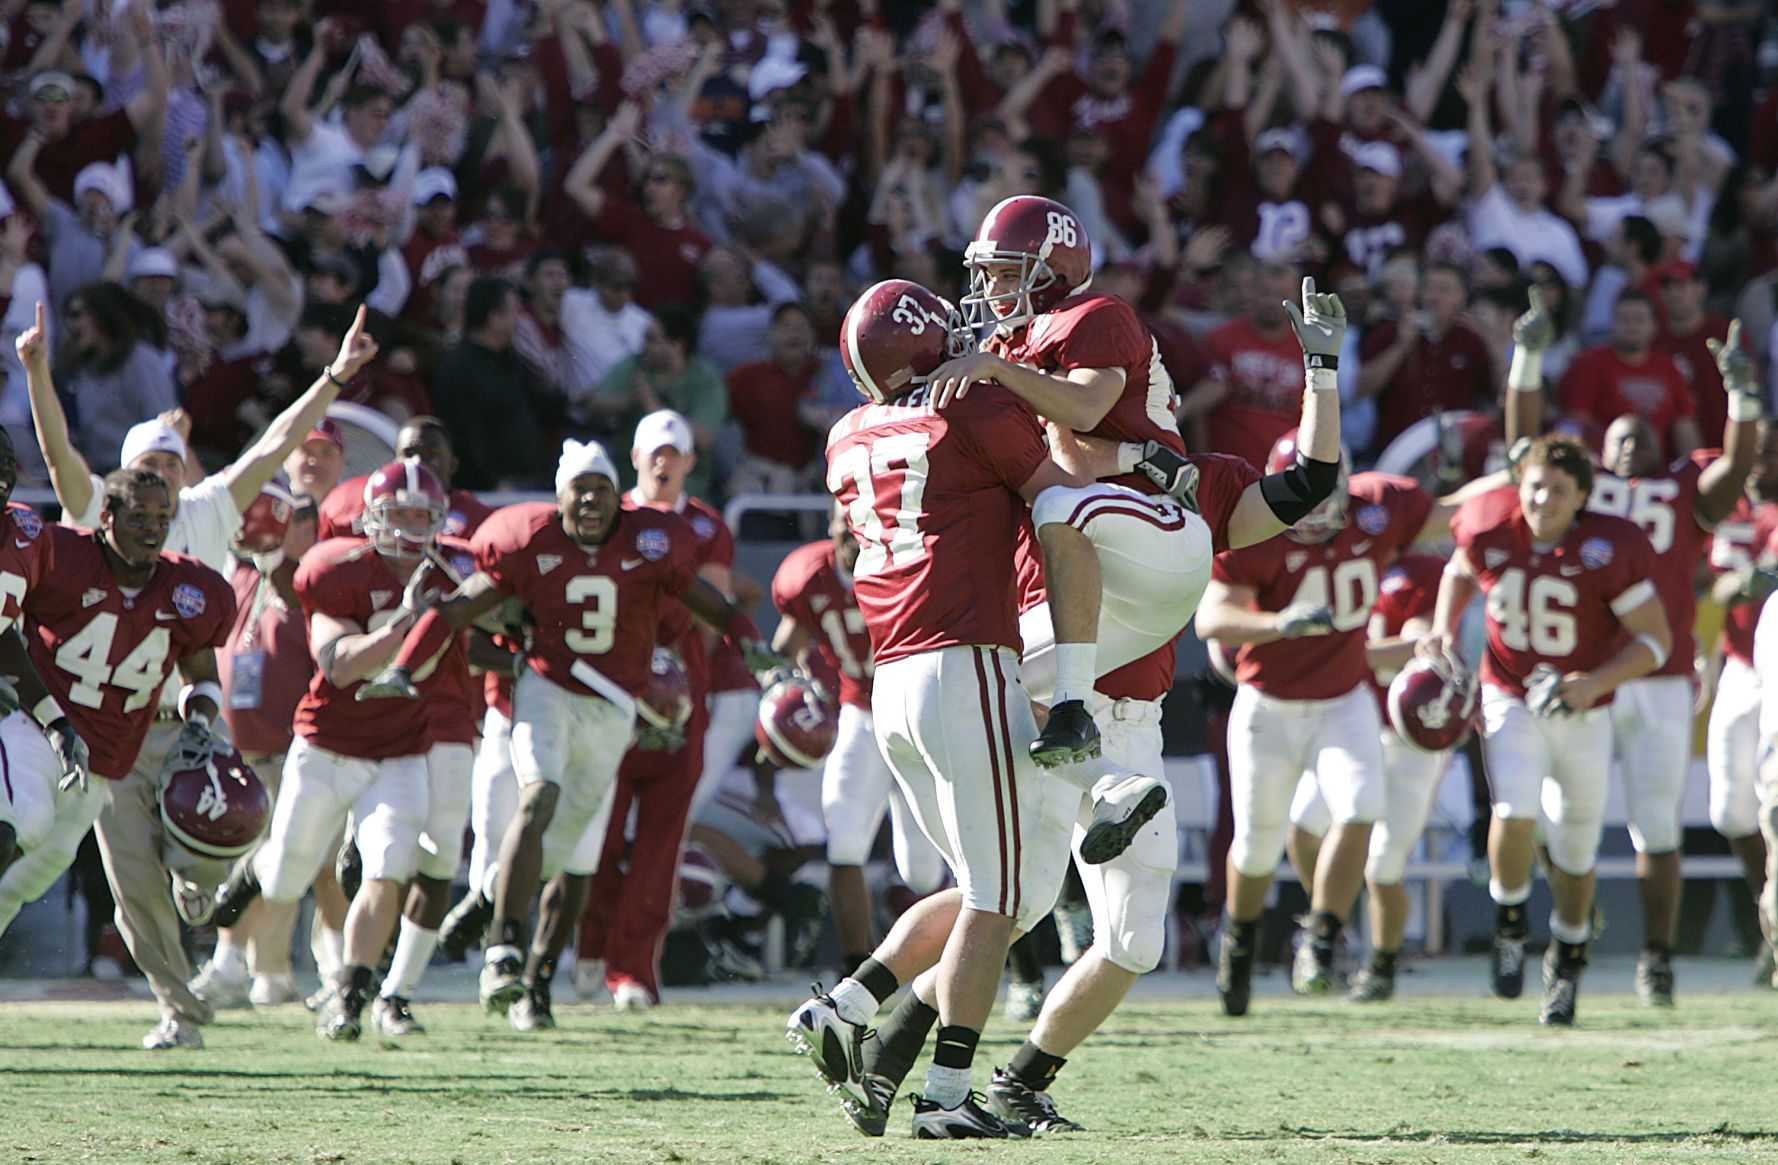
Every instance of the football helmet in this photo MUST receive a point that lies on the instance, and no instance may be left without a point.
(666, 702)
(265, 521)
(1432, 703)
(402, 485)
(1051, 248)
(797, 724)
(702, 885)
(1322, 522)
(217, 810)
(895, 334)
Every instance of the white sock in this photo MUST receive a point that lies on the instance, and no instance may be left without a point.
(854, 1002)
(230, 957)
(413, 950)
(1505, 897)
(1074, 672)
(331, 955)
(947, 1087)
(1576, 934)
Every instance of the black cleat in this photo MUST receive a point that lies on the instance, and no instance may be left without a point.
(835, 1045)
(1070, 735)
(1654, 980)
(532, 1012)
(1234, 975)
(234, 896)
(341, 1015)
(1506, 969)
(869, 1111)
(1015, 1102)
(1119, 813)
(464, 926)
(968, 1121)
(1172, 472)
(1561, 986)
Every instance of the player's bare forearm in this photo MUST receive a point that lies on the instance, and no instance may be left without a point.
(1078, 400)
(349, 658)
(1225, 615)
(1455, 592)
(791, 638)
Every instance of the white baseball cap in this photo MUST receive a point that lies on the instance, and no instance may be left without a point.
(662, 427)
(434, 182)
(152, 261)
(1361, 77)
(108, 180)
(152, 436)
(1382, 157)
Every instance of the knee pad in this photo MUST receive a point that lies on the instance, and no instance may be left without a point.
(1256, 850)
(1574, 849)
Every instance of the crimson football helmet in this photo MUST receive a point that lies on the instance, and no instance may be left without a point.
(1432, 703)
(265, 521)
(218, 810)
(403, 485)
(895, 334)
(702, 885)
(797, 725)
(1051, 248)
(666, 702)
(1322, 522)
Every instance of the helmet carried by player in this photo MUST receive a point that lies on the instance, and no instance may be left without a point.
(1326, 519)
(1050, 246)
(216, 810)
(895, 334)
(403, 486)
(265, 521)
(798, 723)
(1432, 703)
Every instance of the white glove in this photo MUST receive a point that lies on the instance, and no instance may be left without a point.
(1740, 374)
(1300, 619)
(1535, 331)
(1540, 693)
(1320, 326)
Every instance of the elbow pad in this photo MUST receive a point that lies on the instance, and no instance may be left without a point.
(1294, 492)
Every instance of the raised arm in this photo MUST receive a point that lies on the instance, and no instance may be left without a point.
(1719, 486)
(69, 474)
(294, 105)
(1427, 79)
(582, 183)
(1473, 82)
(149, 104)
(21, 176)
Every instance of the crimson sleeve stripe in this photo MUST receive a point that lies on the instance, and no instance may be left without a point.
(994, 761)
(1012, 781)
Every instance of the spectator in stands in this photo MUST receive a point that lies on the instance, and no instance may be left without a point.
(782, 420)
(323, 153)
(666, 374)
(1430, 362)
(1684, 335)
(601, 325)
(1631, 254)
(540, 340)
(1631, 375)
(319, 463)
(489, 399)
(435, 246)
(82, 238)
(1508, 209)
(111, 370)
(1253, 392)
(733, 327)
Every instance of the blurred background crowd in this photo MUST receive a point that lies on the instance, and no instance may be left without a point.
(566, 214)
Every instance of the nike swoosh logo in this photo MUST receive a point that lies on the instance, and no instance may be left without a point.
(630, 563)
(163, 615)
(21, 545)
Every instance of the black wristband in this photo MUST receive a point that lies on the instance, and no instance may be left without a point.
(1314, 360)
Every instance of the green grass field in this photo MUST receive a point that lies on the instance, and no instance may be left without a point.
(1451, 1077)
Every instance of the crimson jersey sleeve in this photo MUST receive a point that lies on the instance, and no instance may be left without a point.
(341, 508)
(1096, 332)
(1222, 480)
(809, 588)
(1409, 591)
(1007, 441)
(27, 558)
(1390, 508)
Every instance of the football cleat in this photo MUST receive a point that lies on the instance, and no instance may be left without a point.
(1172, 472)
(869, 1111)
(274, 990)
(173, 1032)
(340, 1017)
(1070, 735)
(1024, 1001)
(393, 1015)
(1369, 986)
(1561, 985)
(1119, 813)
(835, 1046)
(1507, 968)
(531, 1012)
(968, 1121)
(1311, 972)
(1654, 980)
(220, 989)
(632, 996)
(317, 999)
(1015, 1102)
(501, 982)
(464, 926)
(194, 904)
(1234, 975)
(234, 896)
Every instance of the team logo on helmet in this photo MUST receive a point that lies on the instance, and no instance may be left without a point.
(188, 600)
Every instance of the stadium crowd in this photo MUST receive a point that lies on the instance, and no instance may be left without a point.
(649, 228)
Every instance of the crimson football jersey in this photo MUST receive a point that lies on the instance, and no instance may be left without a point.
(1148, 678)
(1665, 506)
(1739, 539)
(104, 654)
(932, 498)
(1557, 605)
(810, 588)
(342, 512)
(713, 545)
(1409, 591)
(1384, 516)
(598, 605)
(1088, 330)
(457, 703)
(347, 579)
(27, 557)
(265, 667)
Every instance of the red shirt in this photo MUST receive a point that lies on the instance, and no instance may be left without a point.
(810, 588)
(342, 512)
(1088, 330)
(1739, 539)
(713, 546)
(598, 606)
(100, 138)
(1443, 375)
(274, 642)
(666, 258)
(104, 655)
(1369, 239)
(1148, 678)
(26, 558)
(214, 398)
(428, 258)
(347, 579)
(1556, 606)
(1665, 506)
(1695, 363)
(1264, 376)
(763, 397)
(1385, 515)
(932, 499)
(1600, 384)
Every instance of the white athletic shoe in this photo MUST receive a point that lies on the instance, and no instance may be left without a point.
(221, 989)
(173, 1032)
(274, 990)
(632, 996)
(1120, 810)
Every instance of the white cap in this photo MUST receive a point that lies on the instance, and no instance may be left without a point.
(433, 182)
(1361, 77)
(152, 261)
(772, 74)
(578, 459)
(108, 180)
(662, 427)
(1382, 157)
(1282, 138)
(155, 436)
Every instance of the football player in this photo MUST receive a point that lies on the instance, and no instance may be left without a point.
(422, 439)
(819, 617)
(1677, 507)
(1298, 608)
(593, 575)
(1572, 614)
(120, 618)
